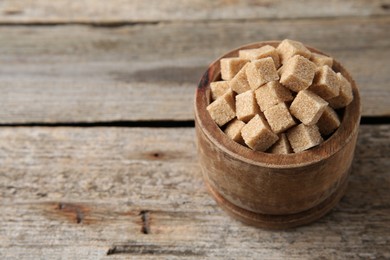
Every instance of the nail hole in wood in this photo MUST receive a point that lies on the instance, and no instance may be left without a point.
(385, 6)
(145, 217)
(111, 251)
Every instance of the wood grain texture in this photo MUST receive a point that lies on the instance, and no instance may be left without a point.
(86, 192)
(122, 11)
(88, 74)
(274, 190)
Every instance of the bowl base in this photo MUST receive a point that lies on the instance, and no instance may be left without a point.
(279, 221)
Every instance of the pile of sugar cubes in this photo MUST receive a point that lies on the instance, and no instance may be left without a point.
(279, 100)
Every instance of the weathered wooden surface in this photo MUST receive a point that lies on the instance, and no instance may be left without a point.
(85, 192)
(121, 11)
(149, 72)
(92, 193)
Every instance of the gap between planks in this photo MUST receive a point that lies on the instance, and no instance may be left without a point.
(115, 24)
(371, 120)
(119, 123)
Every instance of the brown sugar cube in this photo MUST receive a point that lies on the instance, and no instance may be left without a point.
(218, 88)
(345, 96)
(222, 110)
(271, 94)
(328, 122)
(233, 130)
(279, 118)
(282, 146)
(303, 137)
(246, 106)
(260, 72)
(326, 84)
(262, 52)
(240, 83)
(298, 73)
(289, 48)
(321, 60)
(308, 107)
(257, 134)
(231, 66)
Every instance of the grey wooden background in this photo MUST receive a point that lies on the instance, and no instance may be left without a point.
(97, 149)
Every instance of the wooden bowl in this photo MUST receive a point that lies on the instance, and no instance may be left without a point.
(273, 190)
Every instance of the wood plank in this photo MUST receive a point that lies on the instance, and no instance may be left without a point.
(120, 11)
(87, 74)
(138, 192)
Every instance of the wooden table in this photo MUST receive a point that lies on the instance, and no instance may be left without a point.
(97, 148)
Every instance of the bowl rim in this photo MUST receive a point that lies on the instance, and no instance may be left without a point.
(343, 135)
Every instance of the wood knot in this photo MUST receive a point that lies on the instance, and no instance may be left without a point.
(156, 155)
(385, 6)
(12, 11)
(72, 211)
